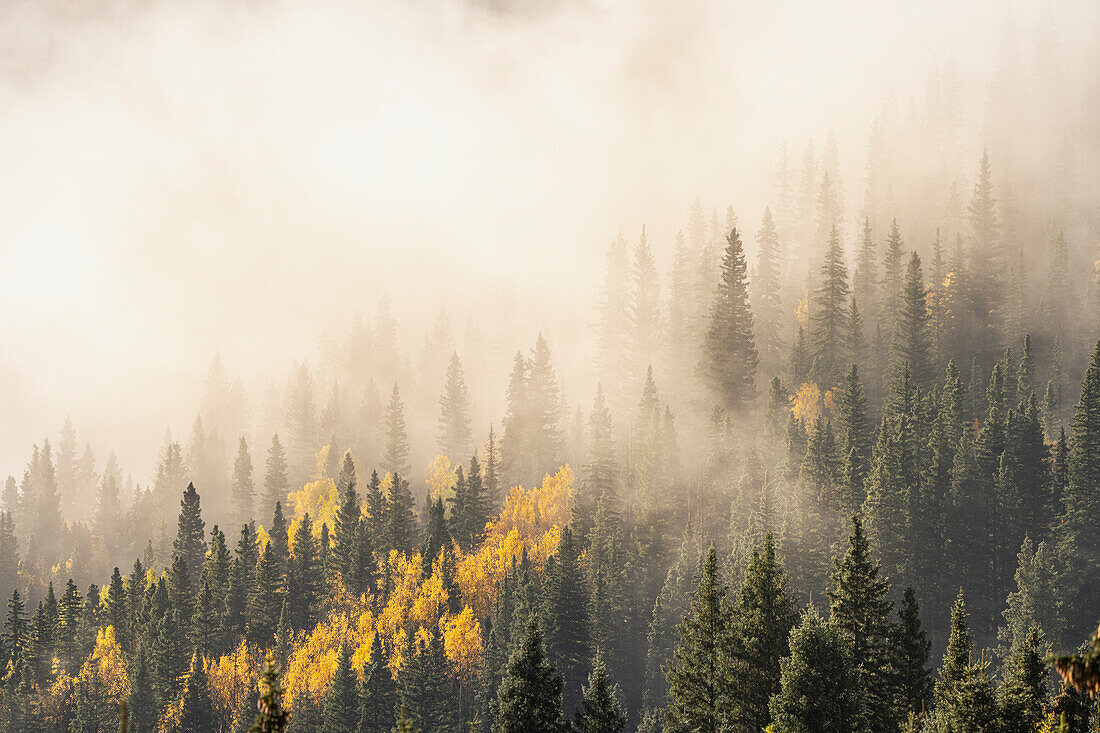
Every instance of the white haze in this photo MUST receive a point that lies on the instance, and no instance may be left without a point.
(184, 178)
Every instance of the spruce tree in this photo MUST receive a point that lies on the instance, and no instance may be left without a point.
(565, 618)
(346, 524)
(143, 705)
(762, 625)
(730, 358)
(400, 522)
(276, 483)
(912, 337)
(395, 456)
(767, 306)
(856, 443)
(262, 605)
(529, 699)
(427, 687)
(601, 710)
(701, 681)
(819, 684)
(1024, 690)
(190, 543)
(890, 302)
(243, 489)
(272, 718)
(341, 712)
(197, 710)
(378, 693)
(436, 536)
(455, 438)
(305, 580)
(828, 317)
(860, 612)
(909, 650)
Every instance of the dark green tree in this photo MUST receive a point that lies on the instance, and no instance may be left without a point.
(601, 710)
(378, 693)
(729, 355)
(912, 334)
(197, 711)
(190, 543)
(565, 620)
(829, 317)
(529, 699)
(341, 711)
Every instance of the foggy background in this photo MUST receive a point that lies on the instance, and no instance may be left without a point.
(184, 179)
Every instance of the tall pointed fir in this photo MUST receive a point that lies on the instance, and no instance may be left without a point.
(243, 488)
(644, 311)
(762, 625)
(566, 625)
(865, 276)
(347, 521)
(701, 682)
(987, 263)
(601, 709)
(908, 651)
(341, 707)
(395, 456)
(856, 443)
(455, 439)
(190, 543)
(892, 274)
(612, 329)
(912, 336)
(963, 695)
(767, 306)
(197, 708)
(378, 693)
(529, 700)
(729, 353)
(828, 316)
(276, 483)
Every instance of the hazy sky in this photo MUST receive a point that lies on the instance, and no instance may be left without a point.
(193, 177)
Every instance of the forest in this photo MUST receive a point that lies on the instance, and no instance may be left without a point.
(830, 465)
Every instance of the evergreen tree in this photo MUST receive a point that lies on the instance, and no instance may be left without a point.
(143, 705)
(197, 711)
(828, 316)
(378, 694)
(375, 520)
(701, 682)
(427, 687)
(865, 277)
(601, 710)
(986, 263)
(565, 618)
(190, 543)
(347, 522)
(767, 307)
(455, 438)
(243, 489)
(276, 483)
(260, 616)
(304, 579)
(762, 625)
(856, 444)
(730, 358)
(341, 712)
(819, 684)
(395, 457)
(470, 511)
(861, 614)
(436, 536)
(1023, 692)
(529, 700)
(912, 337)
(909, 650)
(400, 522)
(891, 280)
(963, 695)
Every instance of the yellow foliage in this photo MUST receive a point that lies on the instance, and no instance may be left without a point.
(318, 499)
(320, 463)
(530, 520)
(313, 661)
(262, 537)
(806, 403)
(105, 670)
(802, 309)
(232, 678)
(441, 478)
(462, 643)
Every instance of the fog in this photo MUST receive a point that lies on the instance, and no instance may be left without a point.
(185, 179)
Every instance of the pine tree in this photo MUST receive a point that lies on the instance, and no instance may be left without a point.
(860, 612)
(190, 543)
(470, 511)
(243, 489)
(454, 419)
(909, 650)
(963, 695)
(143, 705)
(601, 710)
(828, 316)
(341, 712)
(612, 329)
(280, 543)
(762, 625)
(912, 336)
(261, 608)
(378, 694)
(891, 280)
(644, 310)
(276, 484)
(865, 277)
(856, 444)
(529, 700)
(395, 457)
(427, 687)
(347, 522)
(1024, 691)
(436, 536)
(401, 524)
(304, 580)
(701, 682)
(730, 358)
(197, 712)
(1081, 502)
(1037, 600)
(565, 618)
(767, 307)
(986, 263)
(375, 519)
(819, 684)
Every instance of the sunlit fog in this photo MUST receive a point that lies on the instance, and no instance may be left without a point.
(591, 288)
